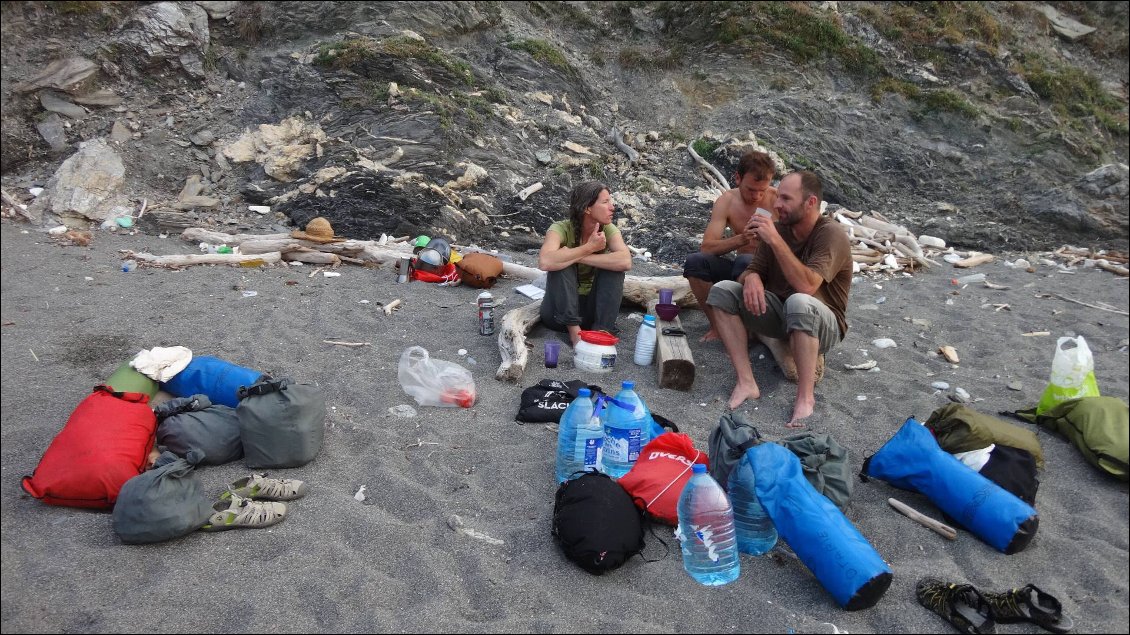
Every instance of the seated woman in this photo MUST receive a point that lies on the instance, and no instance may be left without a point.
(585, 258)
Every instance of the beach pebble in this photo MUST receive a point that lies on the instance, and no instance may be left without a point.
(952, 258)
(461, 352)
(861, 397)
(58, 230)
(880, 299)
(940, 385)
(1016, 386)
(1020, 263)
(403, 410)
(884, 342)
(961, 393)
(331, 274)
(360, 495)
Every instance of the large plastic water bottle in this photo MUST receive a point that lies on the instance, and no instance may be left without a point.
(645, 342)
(626, 428)
(755, 530)
(580, 437)
(706, 531)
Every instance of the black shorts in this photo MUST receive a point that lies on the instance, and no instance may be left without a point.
(715, 268)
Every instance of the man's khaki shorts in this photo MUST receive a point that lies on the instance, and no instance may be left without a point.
(800, 312)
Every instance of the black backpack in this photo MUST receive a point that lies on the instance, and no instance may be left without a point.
(546, 401)
(596, 523)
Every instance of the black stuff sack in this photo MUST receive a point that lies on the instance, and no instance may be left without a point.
(825, 464)
(281, 423)
(188, 423)
(596, 523)
(546, 401)
(163, 503)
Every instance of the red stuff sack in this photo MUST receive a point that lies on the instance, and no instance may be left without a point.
(658, 477)
(105, 443)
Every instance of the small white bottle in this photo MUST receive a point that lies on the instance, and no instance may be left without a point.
(645, 342)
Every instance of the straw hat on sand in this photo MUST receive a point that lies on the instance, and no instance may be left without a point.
(318, 230)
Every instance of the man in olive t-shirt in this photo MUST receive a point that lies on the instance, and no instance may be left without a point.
(794, 294)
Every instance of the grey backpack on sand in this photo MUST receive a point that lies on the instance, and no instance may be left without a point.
(188, 423)
(281, 423)
(163, 503)
(824, 461)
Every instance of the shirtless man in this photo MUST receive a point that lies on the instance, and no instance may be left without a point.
(732, 210)
(794, 294)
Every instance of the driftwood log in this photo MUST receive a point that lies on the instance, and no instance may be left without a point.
(512, 340)
(184, 260)
(673, 357)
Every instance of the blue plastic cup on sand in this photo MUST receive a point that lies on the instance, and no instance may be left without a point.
(552, 349)
(665, 296)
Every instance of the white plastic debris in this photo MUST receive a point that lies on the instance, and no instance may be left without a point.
(931, 241)
(884, 342)
(35, 191)
(461, 352)
(861, 397)
(952, 258)
(360, 495)
(331, 274)
(260, 209)
(250, 294)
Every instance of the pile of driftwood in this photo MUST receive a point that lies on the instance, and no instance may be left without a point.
(880, 245)
(1111, 261)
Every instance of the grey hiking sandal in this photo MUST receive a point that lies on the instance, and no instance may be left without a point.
(243, 513)
(259, 487)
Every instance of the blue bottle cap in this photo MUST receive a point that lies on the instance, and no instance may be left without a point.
(628, 385)
(649, 319)
(584, 392)
(699, 468)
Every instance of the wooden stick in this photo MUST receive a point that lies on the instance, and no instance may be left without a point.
(940, 528)
(346, 343)
(1093, 306)
(182, 260)
(719, 181)
(973, 261)
(512, 340)
(391, 306)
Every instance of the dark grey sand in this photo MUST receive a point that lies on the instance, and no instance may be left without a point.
(393, 563)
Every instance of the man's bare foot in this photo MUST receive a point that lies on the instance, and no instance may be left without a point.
(743, 391)
(711, 336)
(800, 411)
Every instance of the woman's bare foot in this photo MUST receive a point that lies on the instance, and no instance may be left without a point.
(743, 391)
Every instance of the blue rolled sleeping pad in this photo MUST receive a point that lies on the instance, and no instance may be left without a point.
(211, 376)
(912, 460)
(823, 538)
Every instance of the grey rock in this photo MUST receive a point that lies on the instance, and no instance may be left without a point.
(544, 156)
(53, 102)
(202, 137)
(217, 10)
(52, 131)
(962, 394)
(87, 184)
(169, 33)
(1015, 386)
(940, 385)
(119, 133)
(66, 74)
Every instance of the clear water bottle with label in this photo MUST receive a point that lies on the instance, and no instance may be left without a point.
(625, 428)
(580, 437)
(755, 530)
(645, 342)
(706, 531)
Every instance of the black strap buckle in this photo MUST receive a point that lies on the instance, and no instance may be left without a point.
(264, 386)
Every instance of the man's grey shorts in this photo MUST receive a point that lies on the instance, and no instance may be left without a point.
(800, 312)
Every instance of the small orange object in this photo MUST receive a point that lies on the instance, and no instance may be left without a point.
(460, 397)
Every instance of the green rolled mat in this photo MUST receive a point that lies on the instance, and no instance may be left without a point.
(127, 379)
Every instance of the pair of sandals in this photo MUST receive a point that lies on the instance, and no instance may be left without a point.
(252, 502)
(974, 611)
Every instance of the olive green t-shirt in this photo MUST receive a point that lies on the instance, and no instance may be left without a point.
(827, 251)
(585, 273)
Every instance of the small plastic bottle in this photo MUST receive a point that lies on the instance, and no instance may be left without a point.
(626, 428)
(129, 266)
(645, 342)
(580, 438)
(756, 533)
(706, 531)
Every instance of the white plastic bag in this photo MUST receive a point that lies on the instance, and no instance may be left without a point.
(434, 382)
(1073, 374)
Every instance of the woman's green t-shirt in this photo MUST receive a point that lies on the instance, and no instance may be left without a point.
(585, 273)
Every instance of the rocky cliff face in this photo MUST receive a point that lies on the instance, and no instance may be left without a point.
(978, 122)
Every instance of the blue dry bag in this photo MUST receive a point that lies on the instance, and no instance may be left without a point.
(912, 460)
(823, 538)
(214, 377)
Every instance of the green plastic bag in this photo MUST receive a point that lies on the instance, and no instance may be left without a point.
(126, 379)
(1073, 374)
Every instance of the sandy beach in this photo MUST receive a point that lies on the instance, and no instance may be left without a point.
(393, 563)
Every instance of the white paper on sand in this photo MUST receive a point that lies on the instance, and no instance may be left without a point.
(530, 291)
